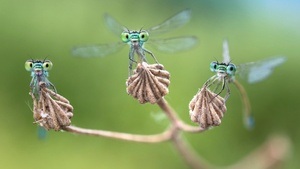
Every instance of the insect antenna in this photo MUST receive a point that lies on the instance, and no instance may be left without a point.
(141, 29)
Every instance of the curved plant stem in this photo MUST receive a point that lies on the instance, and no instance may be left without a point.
(156, 138)
(172, 115)
(188, 154)
(270, 155)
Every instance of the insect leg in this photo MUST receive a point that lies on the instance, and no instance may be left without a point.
(149, 52)
(53, 87)
(223, 86)
(210, 81)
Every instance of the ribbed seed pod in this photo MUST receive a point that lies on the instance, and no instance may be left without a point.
(149, 83)
(206, 108)
(51, 110)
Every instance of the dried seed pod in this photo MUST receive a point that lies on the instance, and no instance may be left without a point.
(149, 83)
(51, 110)
(207, 108)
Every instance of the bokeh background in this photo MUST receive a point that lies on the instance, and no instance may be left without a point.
(96, 86)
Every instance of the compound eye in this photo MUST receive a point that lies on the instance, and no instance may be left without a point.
(213, 66)
(144, 36)
(28, 65)
(47, 65)
(231, 69)
(125, 37)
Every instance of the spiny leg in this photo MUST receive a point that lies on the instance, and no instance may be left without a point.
(223, 87)
(53, 87)
(143, 56)
(210, 81)
(217, 87)
(149, 52)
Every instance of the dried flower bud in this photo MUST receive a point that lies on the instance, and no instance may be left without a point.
(207, 108)
(51, 110)
(149, 83)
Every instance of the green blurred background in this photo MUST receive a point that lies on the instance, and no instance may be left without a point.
(96, 87)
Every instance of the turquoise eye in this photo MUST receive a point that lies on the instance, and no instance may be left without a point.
(28, 65)
(144, 36)
(231, 68)
(213, 66)
(47, 65)
(125, 37)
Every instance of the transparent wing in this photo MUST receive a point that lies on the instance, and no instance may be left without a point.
(159, 117)
(257, 71)
(96, 50)
(172, 23)
(113, 25)
(174, 44)
(226, 57)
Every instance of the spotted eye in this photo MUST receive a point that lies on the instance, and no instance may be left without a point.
(213, 66)
(144, 36)
(47, 65)
(28, 65)
(231, 68)
(125, 37)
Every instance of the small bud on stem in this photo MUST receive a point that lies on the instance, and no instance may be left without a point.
(207, 108)
(149, 83)
(51, 110)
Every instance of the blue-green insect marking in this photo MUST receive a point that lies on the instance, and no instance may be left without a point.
(136, 40)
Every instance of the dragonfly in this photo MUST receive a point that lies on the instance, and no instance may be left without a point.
(136, 39)
(39, 73)
(252, 72)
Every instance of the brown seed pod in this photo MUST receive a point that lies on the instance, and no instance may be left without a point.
(51, 110)
(149, 83)
(206, 108)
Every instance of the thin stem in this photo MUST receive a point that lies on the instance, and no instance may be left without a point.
(163, 104)
(190, 156)
(172, 115)
(187, 154)
(192, 129)
(156, 138)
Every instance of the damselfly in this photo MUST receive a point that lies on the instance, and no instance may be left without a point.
(253, 72)
(137, 38)
(39, 73)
